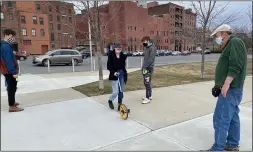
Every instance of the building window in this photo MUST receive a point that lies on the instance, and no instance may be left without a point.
(70, 30)
(50, 17)
(51, 26)
(70, 20)
(58, 18)
(69, 11)
(33, 32)
(2, 16)
(27, 42)
(59, 36)
(135, 28)
(24, 32)
(42, 32)
(59, 26)
(52, 46)
(41, 21)
(57, 9)
(34, 19)
(23, 19)
(10, 16)
(50, 8)
(9, 3)
(38, 6)
(52, 36)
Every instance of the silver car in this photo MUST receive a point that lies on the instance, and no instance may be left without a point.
(61, 56)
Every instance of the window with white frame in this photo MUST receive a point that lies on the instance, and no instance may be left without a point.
(33, 32)
(24, 32)
(2, 16)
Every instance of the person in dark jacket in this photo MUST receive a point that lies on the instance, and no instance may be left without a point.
(148, 66)
(116, 64)
(9, 68)
(229, 80)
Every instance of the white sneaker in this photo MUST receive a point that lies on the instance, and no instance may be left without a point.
(143, 98)
(145, 101)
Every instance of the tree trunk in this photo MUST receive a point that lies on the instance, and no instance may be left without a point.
(99, 50)
(203, 53)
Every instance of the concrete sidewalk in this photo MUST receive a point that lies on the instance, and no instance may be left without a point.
(179, 118)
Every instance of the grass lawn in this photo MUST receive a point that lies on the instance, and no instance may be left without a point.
(163, 76)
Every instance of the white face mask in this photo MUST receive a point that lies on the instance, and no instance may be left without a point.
(219, 40)
(118, 51)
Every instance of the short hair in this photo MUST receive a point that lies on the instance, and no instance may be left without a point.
(145, 38)
(9, 32)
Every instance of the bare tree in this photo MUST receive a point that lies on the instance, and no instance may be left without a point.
(209, 15)
(91, 11)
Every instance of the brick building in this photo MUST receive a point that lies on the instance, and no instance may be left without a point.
(130, 21)
(36, 31)
(182, 24)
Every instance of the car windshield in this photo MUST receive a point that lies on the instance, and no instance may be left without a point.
(49, 52)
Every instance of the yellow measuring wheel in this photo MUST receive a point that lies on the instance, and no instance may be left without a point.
(124, 111)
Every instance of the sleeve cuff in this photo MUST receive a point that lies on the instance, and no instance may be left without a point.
(232, 73)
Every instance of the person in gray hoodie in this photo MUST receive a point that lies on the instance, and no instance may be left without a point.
(148, 66)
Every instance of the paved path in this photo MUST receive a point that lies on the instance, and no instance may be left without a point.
(179, 118)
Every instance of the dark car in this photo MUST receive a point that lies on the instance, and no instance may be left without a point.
(85, 54)
(167, 53)
(20, 57)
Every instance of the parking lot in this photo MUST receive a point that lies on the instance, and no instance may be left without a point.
(133, 62)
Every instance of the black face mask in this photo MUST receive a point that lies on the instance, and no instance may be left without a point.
(145, 44)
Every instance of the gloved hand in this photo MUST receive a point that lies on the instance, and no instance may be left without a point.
(216, 90)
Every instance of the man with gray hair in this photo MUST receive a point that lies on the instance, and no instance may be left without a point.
(148, 66)
(229, 80)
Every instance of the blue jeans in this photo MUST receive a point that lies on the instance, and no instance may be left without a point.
(226, 121)
(116, 91)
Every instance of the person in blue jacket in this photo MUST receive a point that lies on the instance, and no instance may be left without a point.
(9, 68)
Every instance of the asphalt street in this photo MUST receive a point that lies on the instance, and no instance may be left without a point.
(133, 62)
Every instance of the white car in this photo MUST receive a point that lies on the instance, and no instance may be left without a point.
(176, 53)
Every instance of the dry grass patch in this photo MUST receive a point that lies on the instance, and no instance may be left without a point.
(163, 76)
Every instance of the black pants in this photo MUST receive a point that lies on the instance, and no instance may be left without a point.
(11, 88)
(147, 82)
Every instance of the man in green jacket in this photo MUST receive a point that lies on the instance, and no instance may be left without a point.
(229, 79)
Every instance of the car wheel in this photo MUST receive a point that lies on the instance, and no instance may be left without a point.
(75, 62)
(45, 62)
(22, 58)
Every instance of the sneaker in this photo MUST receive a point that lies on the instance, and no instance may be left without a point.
(228, 148)
(145, 101)
(143, 98)
(15, 109)
(110, 104)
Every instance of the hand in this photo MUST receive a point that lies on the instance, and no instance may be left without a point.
(224, 89)
(116, 73)
(15, 76)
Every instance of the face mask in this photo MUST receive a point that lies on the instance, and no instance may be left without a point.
(145, 44)
(219, 40)
(118, 51)
(11, 40)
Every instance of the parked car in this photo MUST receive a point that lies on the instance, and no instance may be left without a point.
(167, 53)
(161, 53)
(176, 53)
(20, 57)
(137, 53)
(61, 56)
(85, 54)
(207, 51)
(185, 53)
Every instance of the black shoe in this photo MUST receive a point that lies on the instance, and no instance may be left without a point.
(119, 107)
(228, 148)
(110, 104)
